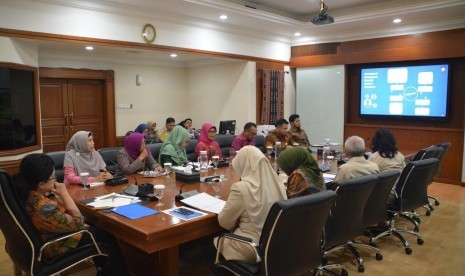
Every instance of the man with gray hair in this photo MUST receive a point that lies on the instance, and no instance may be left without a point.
(357, 165)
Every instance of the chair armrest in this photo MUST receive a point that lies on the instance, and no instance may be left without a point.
(238, 238)
(39, 258)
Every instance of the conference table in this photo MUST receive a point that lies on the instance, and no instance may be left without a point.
(153, 241)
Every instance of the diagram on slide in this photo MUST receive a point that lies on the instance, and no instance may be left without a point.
(409, 91)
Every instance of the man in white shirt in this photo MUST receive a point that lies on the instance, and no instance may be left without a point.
(357, 165)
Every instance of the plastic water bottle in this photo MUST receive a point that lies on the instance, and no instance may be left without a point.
(203, 160)
(277, 149)
(324, 156)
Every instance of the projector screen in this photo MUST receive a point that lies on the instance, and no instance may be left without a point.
(405, 91)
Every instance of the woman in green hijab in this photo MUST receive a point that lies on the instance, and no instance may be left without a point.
(174, 149)
(304, 174)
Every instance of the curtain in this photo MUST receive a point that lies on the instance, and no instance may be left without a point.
(273, 96)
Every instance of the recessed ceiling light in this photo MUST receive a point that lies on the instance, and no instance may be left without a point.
(297, 34)
(397, 20)
(173, 55)
(89, 48)
(223, 17)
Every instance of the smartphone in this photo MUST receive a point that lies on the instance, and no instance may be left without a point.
(183, 211)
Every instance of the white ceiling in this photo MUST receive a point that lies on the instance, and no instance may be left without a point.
(280, 19)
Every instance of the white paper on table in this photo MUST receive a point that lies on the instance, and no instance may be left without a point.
(206, 202)
(113, 200)
(329, 175)
(178, 168)
(95, 184)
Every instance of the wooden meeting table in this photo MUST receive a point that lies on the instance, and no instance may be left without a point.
(150, 244)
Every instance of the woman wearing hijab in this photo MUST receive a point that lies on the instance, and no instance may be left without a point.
(304, 174)
(135, 156)
(152, 130)
(249, 202)
(143, 129)
(174, 149)
(207, 141)
(81, 157)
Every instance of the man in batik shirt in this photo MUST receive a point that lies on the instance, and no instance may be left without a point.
(297, 134)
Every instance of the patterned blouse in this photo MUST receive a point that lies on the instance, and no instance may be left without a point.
(274, 136)
(299, 136)
(298, 184)
(130, 166)
(51, 219)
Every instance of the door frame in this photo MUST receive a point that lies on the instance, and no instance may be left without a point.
(108, 79)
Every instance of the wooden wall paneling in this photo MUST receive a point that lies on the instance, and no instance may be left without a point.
(412, 139)
(434, 45)
(11, 167)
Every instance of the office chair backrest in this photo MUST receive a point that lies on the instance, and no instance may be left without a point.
(346, 220)
(440, 156)
(190, 150)
(110, 157)
(290, 243)
(155, 150)
(425, 153)
(22, 240)
(58, 160)
(411, 188)
(376, 206)
(225, 142)
(259, 142)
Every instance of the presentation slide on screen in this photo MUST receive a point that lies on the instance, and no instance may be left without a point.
(405, 91)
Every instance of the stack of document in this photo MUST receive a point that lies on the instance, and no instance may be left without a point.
(206, 202)
(112, 200)
(329, 177)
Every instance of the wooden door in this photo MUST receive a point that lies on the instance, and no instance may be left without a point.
(68, 106)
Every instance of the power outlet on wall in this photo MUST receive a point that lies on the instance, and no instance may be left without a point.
(124, 106)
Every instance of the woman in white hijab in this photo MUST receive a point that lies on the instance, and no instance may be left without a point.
(249, 201)
(82, 157)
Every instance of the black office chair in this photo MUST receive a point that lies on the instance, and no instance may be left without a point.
(24, 244)
(289, 244)
(440, 156)
(410, 194)
(58, 161)
(425, 153)
(110, 157)
(346, 220)
(155, 150)
(225, 142)
(376, 206)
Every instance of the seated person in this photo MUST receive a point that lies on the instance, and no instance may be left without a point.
(174, 149)
(81, 157)
(249, 202)
(142, 129)
(135, 156)
(385, 152)
(246, 138)
(357, 165)
(304, 174)
(152, 133)
(53, 213)
(207, 142)
(297, 134)
(165, 131)
(188, 125)
(279, 135)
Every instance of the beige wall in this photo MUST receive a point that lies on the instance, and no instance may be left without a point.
(222, 92)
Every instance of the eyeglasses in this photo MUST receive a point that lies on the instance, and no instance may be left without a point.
(52, 178)
(212, 131)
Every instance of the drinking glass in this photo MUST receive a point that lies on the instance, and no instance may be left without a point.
(84, 177)
(215, 160)
(167, 169)
(232, 154)
(159, 191)
(216, 187)
(269, 151)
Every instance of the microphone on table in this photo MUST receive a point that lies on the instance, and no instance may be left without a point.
(117, 173)
(178, 197)
(135, 179)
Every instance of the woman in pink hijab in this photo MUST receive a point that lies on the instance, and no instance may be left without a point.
(207, 141)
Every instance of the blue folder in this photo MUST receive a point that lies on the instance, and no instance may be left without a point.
(134, 211)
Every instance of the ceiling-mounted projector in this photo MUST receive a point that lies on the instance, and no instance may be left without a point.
(322, 18)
